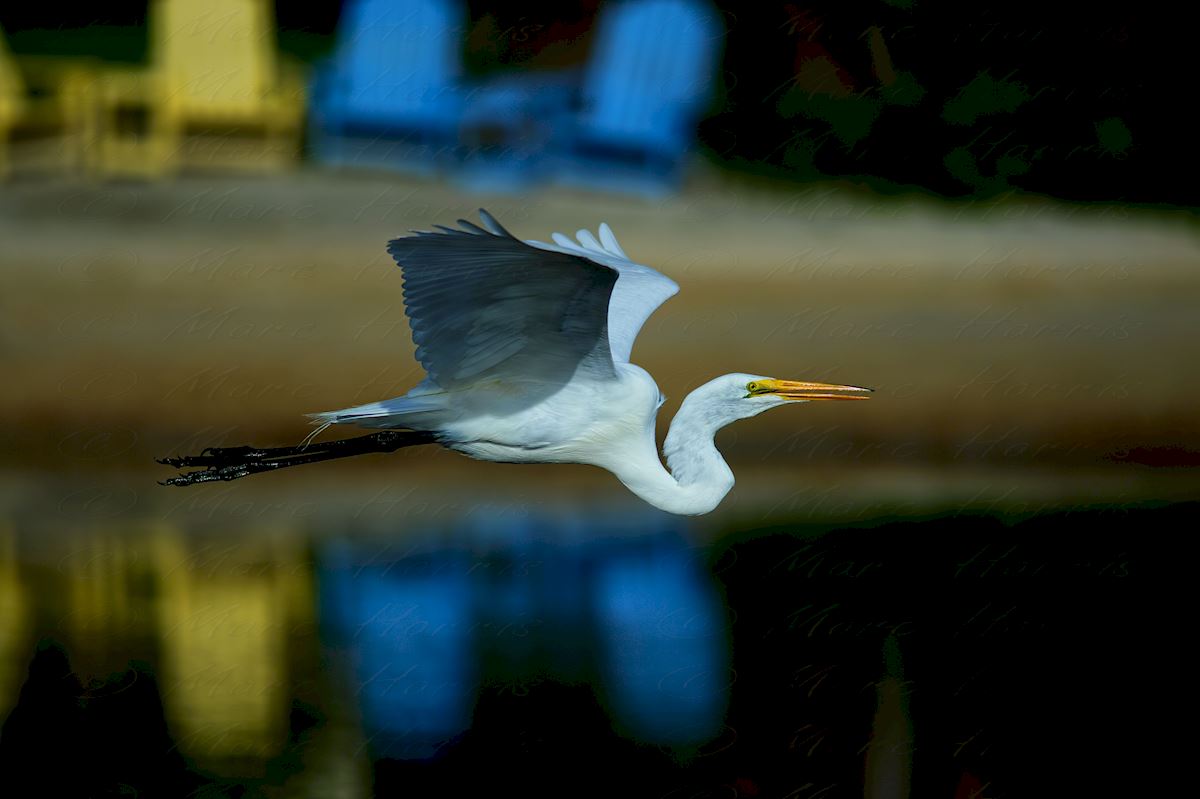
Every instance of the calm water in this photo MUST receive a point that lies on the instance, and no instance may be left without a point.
(956, 656)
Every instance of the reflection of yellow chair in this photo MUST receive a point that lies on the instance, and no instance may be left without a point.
(14, 623)
(225, 616)
(215, 94)
(101, 595)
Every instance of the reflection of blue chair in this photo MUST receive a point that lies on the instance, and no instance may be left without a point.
(647, 82)
(390, 96)
(408, 626)
(662, 638)
(514, 599)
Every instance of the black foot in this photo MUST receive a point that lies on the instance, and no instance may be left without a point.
(212, 473)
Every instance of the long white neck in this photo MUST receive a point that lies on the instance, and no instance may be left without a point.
(698, 478)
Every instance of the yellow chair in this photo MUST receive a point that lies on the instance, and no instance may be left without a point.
(215, 94)
(45, 111)
(55, 130)
(12, 102)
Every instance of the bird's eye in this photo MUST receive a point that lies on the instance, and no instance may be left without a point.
(753, 388)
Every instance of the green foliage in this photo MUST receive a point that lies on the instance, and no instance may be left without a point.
(1114, 137)
(983, 96)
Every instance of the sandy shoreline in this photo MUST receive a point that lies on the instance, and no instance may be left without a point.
(1028, 335)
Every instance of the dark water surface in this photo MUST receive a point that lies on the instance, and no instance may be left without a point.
(608, 655)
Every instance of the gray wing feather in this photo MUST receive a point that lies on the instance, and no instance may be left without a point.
(485, 305)
(491, 224)
(639, 292)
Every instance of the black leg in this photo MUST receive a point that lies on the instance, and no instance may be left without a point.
(224, 456)
(230, 463)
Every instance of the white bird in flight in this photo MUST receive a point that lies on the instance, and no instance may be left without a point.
(526, 347)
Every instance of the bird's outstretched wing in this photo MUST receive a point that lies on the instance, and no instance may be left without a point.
(484, 305)
(639, 292)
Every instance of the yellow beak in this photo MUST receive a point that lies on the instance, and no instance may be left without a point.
(805, 390)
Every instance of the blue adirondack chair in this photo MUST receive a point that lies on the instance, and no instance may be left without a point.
(647, 83)
(390, 96)
(661, 630)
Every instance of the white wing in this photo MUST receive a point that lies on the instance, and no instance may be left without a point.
(639, 291)
(485, 306)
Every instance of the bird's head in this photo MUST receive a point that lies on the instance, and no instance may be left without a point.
(740, 396)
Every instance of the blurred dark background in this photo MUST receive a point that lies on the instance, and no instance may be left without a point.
(966, 588)
(1075, 101)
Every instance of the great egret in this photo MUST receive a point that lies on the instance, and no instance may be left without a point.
(526, 347)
